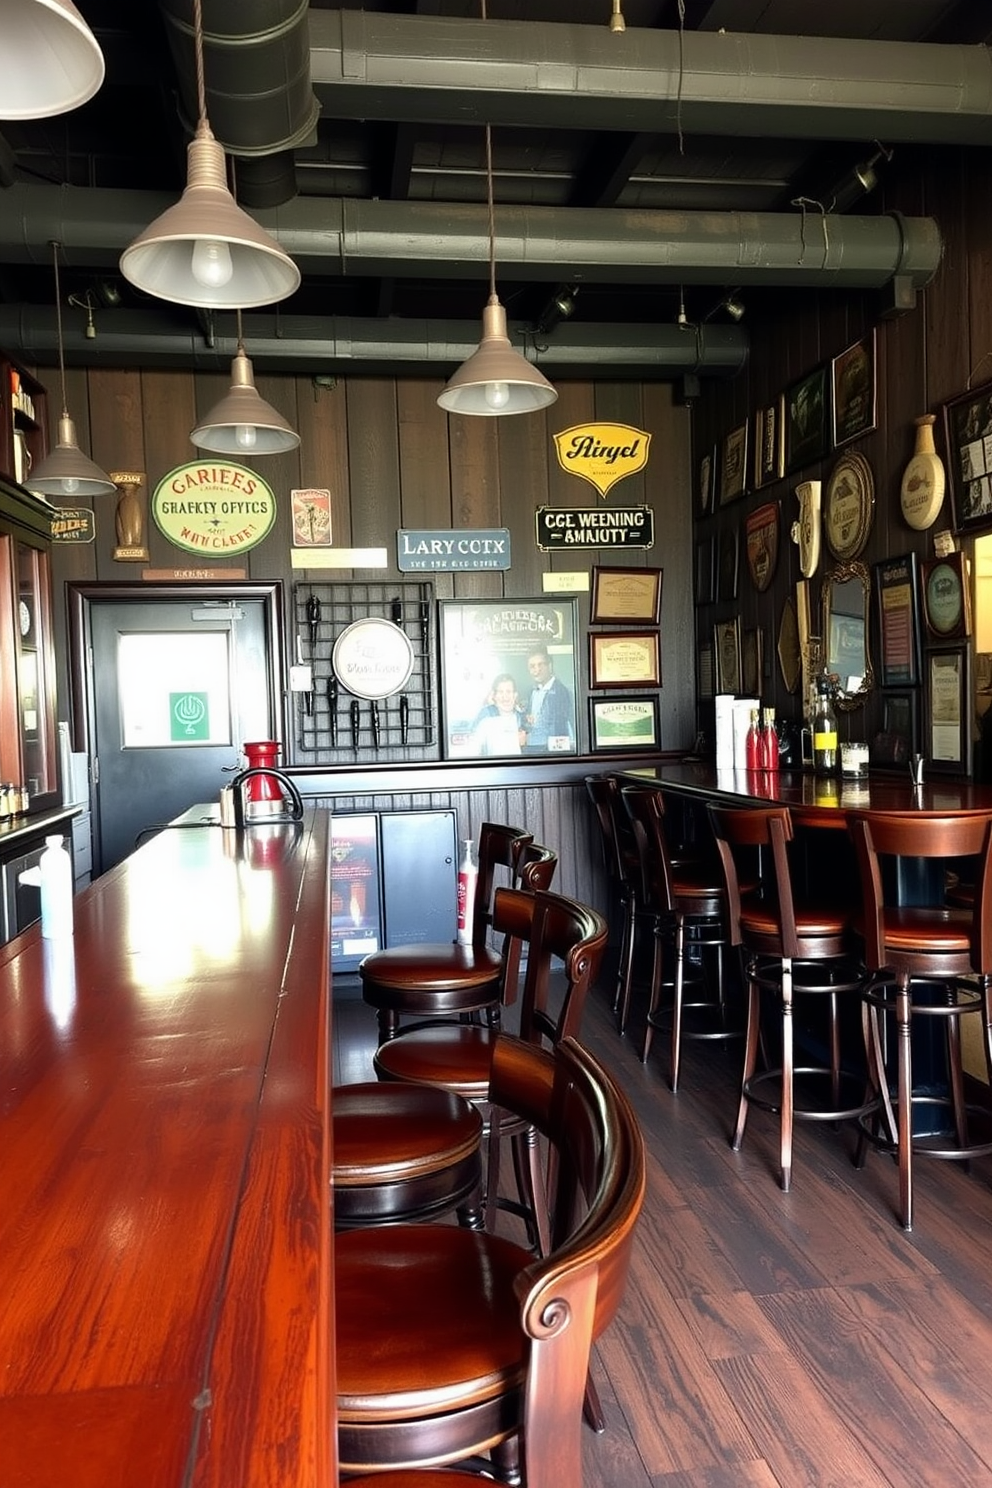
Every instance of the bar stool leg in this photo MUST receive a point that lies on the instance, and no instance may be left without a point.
(678, 998)
(905, 1101)
(788, 1075)
(957, 1075)
(750, 1057)
(654, 1000)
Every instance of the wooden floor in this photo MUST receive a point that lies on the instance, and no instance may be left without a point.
(802, 1339)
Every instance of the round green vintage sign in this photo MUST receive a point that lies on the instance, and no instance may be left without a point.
(212, 507)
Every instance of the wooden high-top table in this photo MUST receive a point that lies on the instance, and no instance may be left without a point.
(165, 1225)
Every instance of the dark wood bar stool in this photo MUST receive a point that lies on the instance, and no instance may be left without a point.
(457, 1057)
(792, 951)
(447, 980)
(929, 965)
(621, 861)
(404, 1153)
(456, 1347)
(688, 904)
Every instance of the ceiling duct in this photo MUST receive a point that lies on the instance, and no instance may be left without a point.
(580, 245)
(301, 344)
(260, 100)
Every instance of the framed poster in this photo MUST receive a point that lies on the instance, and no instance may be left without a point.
(853, 386)
(707, 681)
(706, 484)
(899, 738)
(727, 651)
(733, 465)
(624, 723)
(761, 533)
(752, 661)
(806, 421)
(968, 436)
(621, 659)
(508, 677)
(769, 443)
(947, 745)
(947, 598)
(626, 594)
(728, 559)
(897, 594)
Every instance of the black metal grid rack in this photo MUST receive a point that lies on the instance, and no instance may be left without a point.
(407, 722)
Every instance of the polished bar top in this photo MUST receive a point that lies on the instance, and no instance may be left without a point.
(815, 798)
(165, 1227)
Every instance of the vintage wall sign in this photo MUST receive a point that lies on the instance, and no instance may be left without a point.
(213, 507)
(591, 527)
(74, 524)
(602, 453)
(761, 537)
(444, 550)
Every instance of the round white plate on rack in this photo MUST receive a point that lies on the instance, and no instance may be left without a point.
(373, 658)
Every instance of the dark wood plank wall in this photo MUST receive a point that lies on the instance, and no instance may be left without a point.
(392, 458)
(925, 356)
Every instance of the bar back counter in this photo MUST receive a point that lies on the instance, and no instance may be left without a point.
(166, 1228)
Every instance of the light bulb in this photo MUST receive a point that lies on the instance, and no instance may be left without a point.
(70, 485)
(212, 266)
(497, 394)
(245, 436)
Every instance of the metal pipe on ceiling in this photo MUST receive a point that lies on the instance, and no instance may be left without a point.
(302, 344)
(583, 245)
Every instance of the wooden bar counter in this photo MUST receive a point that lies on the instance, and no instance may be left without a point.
(165, 1225)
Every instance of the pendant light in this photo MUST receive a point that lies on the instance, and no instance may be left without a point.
(242, 423)
(66, 471)
(496, 380)
(205, 251)
(49, 61)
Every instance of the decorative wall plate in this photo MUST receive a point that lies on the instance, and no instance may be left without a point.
(372, 658)
(921, 494)
(946, 603)
(789, 659)
(849, 507)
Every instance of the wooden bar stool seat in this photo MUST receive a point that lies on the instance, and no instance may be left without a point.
(792, 950)
(446, 979)
(405, 1152)
(929, 964)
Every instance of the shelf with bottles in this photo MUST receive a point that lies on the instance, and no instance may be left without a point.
(23, 427)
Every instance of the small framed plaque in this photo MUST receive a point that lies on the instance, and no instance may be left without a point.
(627, 595)
(946, 598)
(769, 443)
(948, 694)
(623, 723)
(897, 592)
(733, 467)
(625, 659)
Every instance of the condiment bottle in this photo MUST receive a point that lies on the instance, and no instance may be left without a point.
(468, 872)
(751, 744)
(768, 744)
(56, 890)
(824, 731)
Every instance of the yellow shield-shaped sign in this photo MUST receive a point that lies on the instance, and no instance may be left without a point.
(602, 453)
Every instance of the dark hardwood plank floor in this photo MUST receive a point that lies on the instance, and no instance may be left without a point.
(774, 1340)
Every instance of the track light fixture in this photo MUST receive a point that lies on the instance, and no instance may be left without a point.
(859, 180)
(496, 380)
(734, 306)
(561, 306)
(66, 471)
(205, 251)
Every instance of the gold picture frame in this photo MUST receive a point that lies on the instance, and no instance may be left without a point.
(625, 659)
(626, 595)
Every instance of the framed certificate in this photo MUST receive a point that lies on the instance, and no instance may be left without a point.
(627, 595)
(897, 595)
(623, 659)
(948, 732)
(623, 723)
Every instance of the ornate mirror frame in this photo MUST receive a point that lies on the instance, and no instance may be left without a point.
(846, 651)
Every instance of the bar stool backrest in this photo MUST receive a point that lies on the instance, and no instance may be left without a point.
(881, 834)
(499, 847)
(768, 828)
(552, 927)
(646, 810)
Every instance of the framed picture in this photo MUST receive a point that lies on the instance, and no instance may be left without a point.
(626, 594)
(704, 571)
(624, 723)
(761, 533)
(806, 420)
(727, 652)
(897, 594)
(623, 659)
(707, 482)
(849, 507)
(899, 738)
(947, 598)
(769, 443)
(508, 677)
(728, 557)
(853, 385)
(752, 661)
(968, 437)
(707, 680)
(947, 744)
(733, 465)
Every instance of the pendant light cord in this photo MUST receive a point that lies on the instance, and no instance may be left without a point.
(489, 195)
(201, 88)
(58, 328)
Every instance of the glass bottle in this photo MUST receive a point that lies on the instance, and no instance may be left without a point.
(824, 731)
(468, 872)
(56, 890)
(768, 744)
(751, 744)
